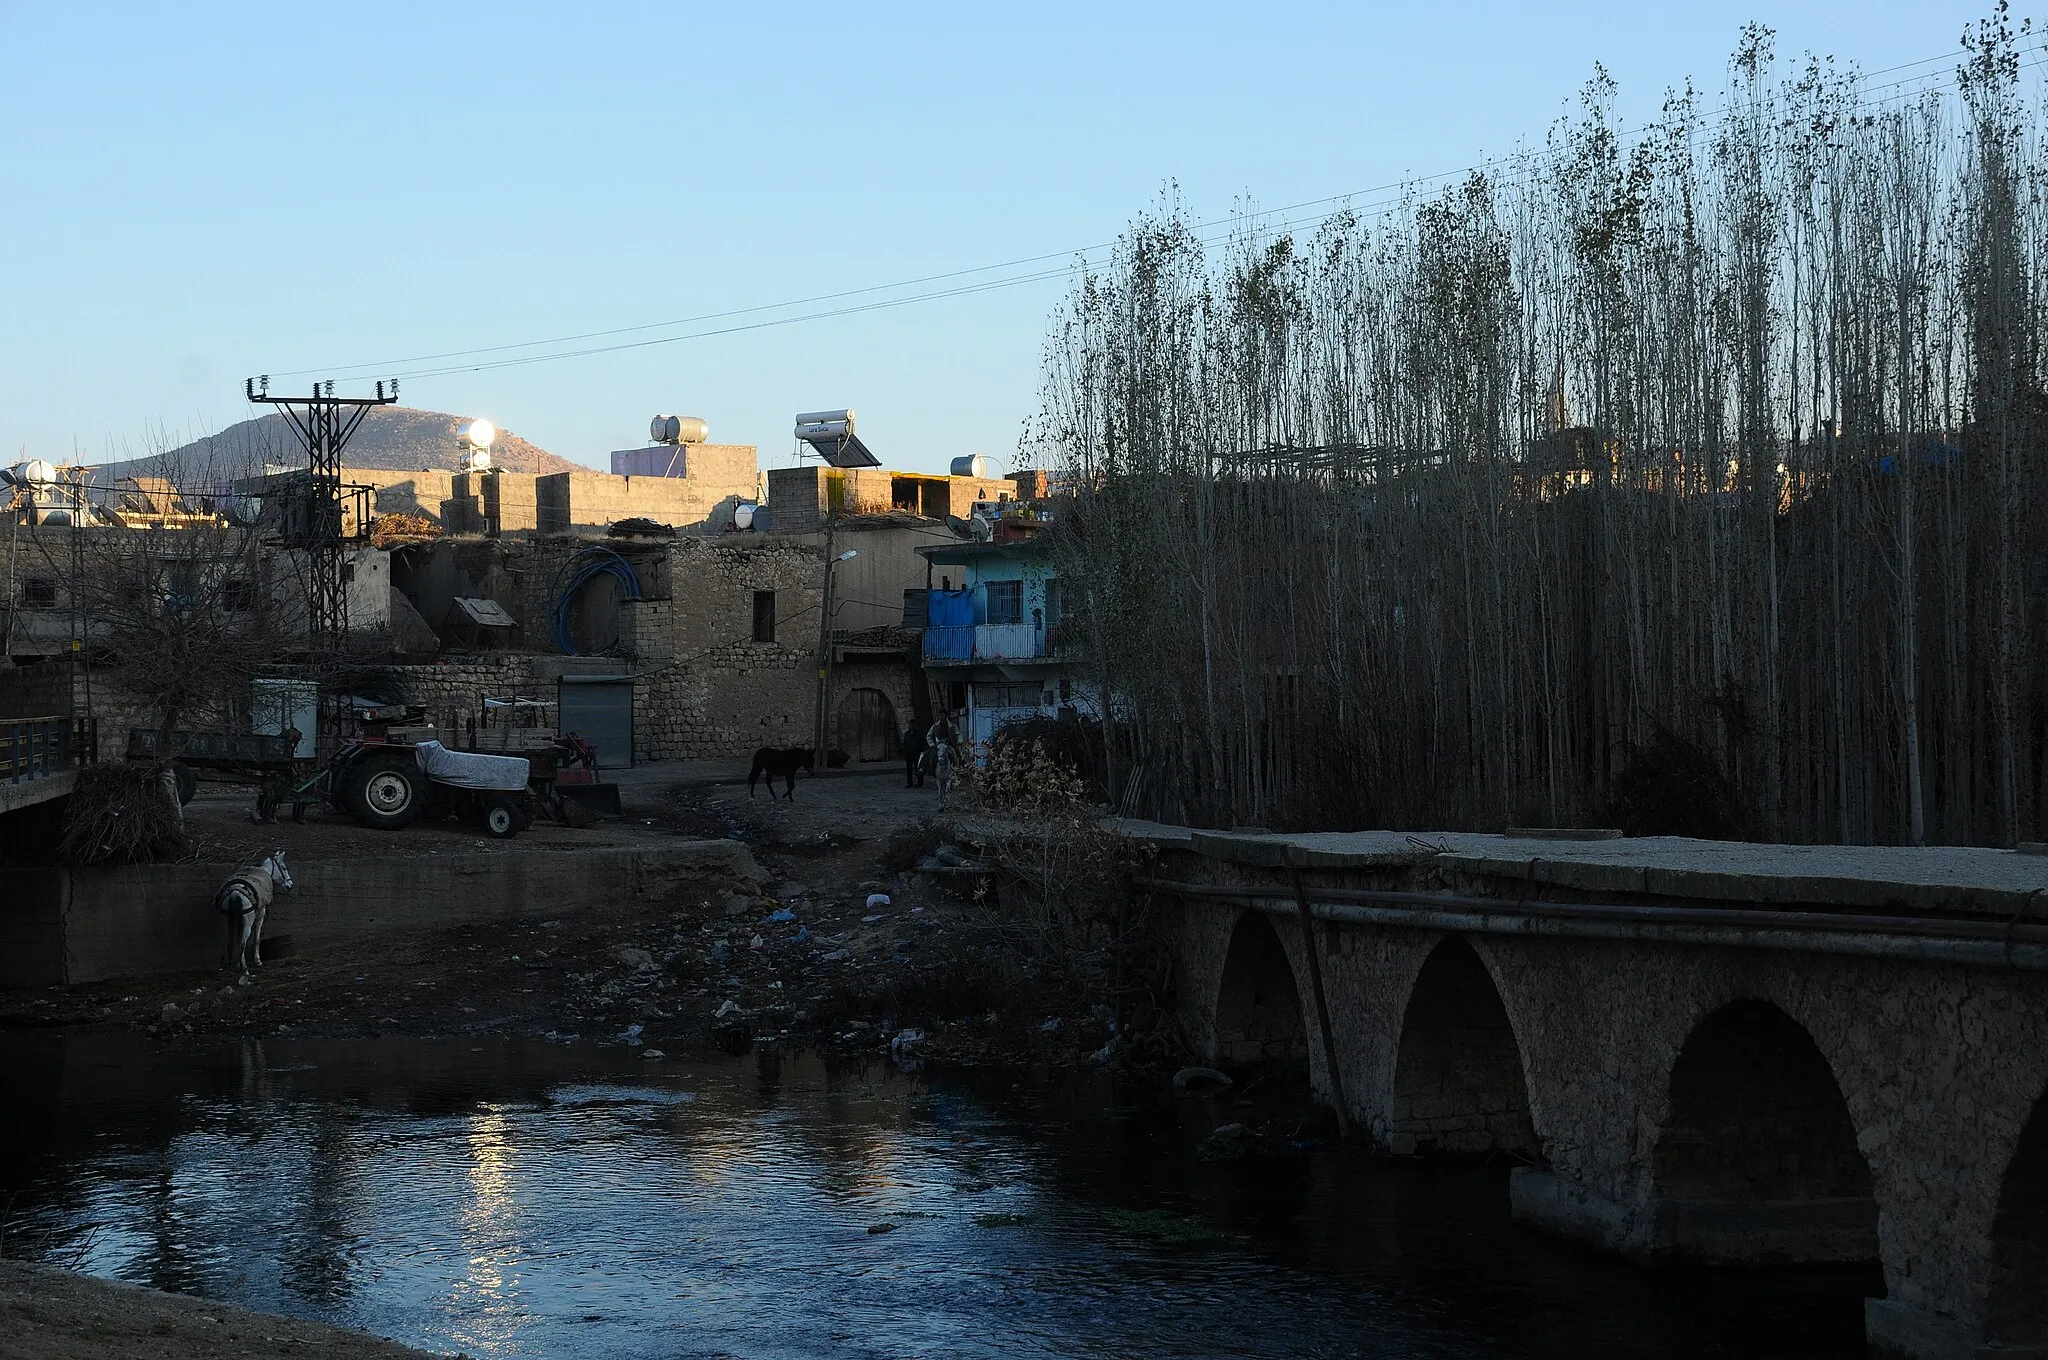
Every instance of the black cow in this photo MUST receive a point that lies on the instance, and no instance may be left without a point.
(913, 757)
(781, 762)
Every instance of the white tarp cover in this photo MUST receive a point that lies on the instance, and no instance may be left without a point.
(470, 770)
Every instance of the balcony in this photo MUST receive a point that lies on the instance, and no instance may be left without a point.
(964, 644)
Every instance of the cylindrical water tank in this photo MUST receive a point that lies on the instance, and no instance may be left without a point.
(826, 418)
(970, 465)
(743, 515)
(816, 431)
(34, 472)
(678, 430)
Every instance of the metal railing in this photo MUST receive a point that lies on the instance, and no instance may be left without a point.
(986, 642)
(33, 748)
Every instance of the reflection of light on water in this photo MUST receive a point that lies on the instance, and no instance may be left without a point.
(487, 1299)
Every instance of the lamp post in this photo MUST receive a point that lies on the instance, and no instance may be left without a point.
(819, 744)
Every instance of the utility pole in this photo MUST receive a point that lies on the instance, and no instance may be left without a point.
(824, 641)
(820, 742)
(324, 424)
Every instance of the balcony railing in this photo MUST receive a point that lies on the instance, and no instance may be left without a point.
(33, 748)
(985, 642)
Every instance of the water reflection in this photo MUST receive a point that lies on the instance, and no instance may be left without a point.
(526, 1199)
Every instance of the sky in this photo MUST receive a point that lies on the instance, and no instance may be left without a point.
(191, 195)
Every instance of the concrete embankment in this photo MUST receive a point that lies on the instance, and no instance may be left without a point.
(68, 926)
(51, 1314)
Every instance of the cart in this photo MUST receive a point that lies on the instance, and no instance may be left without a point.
(252, 757)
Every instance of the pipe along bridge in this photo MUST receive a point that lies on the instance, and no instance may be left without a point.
(1700, 1052)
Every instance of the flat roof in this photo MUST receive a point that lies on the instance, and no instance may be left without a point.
(963, 553)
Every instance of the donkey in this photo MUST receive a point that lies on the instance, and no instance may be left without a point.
(245, 901)
(783, 763)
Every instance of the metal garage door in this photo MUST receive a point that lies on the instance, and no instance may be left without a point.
(599, 709)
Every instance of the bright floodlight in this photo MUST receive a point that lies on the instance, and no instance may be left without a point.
(478, 434)
(849, 554)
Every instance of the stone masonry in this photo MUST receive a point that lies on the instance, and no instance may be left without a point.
(1692, 1091)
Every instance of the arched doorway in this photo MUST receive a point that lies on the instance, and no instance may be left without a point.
(1458, 1083)
(1756, 1119)
(2019, 1242)
(867, 728)
(1258, 1009)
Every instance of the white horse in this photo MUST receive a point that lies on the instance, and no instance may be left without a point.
(245, 901)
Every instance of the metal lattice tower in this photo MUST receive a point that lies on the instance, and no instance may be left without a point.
(324, 423)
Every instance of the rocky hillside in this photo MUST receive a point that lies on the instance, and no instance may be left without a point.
(394, 437)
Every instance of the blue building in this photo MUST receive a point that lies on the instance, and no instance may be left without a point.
(992, 617)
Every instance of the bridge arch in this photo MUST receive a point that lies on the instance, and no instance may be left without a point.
(1258, 1006)
(2018, 1304)
(1756, 1159)
(1460, 1086)
(1755, 1113)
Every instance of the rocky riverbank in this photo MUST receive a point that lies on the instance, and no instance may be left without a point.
(836, 941)
(52, 1314)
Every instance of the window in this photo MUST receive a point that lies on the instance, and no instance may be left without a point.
(764, 616)
(1052, 602)
(1006, 602)
(38, 592)
(237, 596)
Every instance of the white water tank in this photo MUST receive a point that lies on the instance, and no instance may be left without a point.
(743, 515)
(970, 465)
(678, 430)
(34, 472)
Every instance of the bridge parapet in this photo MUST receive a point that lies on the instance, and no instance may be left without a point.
(1706, 1052)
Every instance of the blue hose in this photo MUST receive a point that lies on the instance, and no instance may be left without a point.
(581, 570)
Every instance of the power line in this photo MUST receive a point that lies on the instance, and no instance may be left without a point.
(1208, 232)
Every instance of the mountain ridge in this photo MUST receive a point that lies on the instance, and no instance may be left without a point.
(391, 438)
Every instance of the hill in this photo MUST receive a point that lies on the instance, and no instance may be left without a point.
(397, 438)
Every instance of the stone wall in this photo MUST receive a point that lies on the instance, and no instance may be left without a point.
(568, 501)
(715, 691)
(68, 926)
(39, 689)
(800, 498)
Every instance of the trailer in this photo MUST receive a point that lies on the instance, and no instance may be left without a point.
(252, 757)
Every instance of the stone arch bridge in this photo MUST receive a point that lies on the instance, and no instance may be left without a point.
(1704, 1052)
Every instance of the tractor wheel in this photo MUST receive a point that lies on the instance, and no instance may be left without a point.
(383, 793)
(502, 819)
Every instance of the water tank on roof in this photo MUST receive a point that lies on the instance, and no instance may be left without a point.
(970, 465)
(34, 472)
(678, 430)
(743, 515)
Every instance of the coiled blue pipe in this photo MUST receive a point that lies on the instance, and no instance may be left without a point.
(581, 570)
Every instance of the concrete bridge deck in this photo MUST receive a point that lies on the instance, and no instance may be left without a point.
(1702, 1051)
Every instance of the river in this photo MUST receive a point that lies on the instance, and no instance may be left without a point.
(514, 1198)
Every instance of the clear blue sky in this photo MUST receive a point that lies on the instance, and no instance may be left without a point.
(196, 193)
